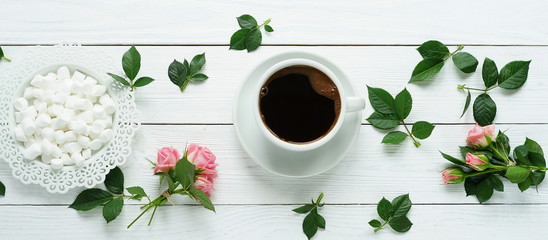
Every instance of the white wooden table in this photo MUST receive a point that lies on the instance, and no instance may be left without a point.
(373, 42)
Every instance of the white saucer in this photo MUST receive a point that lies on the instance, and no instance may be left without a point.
(279, 160)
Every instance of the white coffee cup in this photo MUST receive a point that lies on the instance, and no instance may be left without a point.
(348, 104)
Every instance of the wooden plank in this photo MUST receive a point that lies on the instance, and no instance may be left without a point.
(370, 170)
(323, 22)
(274, 222)
(436, 101)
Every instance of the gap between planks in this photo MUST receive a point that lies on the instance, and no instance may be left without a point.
(272, 45)
(296, 204)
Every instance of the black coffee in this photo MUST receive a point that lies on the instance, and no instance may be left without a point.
(299, 104)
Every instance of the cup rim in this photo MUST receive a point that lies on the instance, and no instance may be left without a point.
(307, 146)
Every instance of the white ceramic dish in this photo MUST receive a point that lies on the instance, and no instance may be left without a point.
(280, 160)
(114, 153)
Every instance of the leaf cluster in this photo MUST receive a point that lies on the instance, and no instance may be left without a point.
(390, 112)
(313, 220)
(394, 214)
(249, 36)
(181, 74)
(131, 63)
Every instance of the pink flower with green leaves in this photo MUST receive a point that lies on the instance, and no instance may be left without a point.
(452, 176)
(478, 162)
(480, 137)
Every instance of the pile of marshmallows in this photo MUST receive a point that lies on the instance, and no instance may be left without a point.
(63, 119)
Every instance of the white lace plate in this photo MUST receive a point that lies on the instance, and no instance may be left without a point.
(125, 124)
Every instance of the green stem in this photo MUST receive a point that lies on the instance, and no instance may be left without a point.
(152, 216)
(319, 199)
(415, 142)
(460, 47)
(185, 84)
(483, 172)
(264, 23)
(7, 59)
(380, 227)
(140, 215)
(502, 156)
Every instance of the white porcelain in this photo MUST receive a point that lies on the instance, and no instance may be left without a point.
(348, 104)
(296, 160)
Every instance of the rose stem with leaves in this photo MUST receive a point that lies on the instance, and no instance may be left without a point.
(313, 219)
(2, 57)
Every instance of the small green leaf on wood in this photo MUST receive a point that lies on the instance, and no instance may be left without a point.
(433, 49)
(112, 209)
(91, 198)
(426, 69)
(2, 189)
(197, 63)
(484, 191)
(137, 192)
(114, 181)
(526, 184)
(143, 81)
(403, 104)
(517, 174)
(202, 198)
(401, 205)
(422, 129)
(119, 79)
(304, 209)
(383, 121)
(381, 100)
(514, 74)
(253, 39)
(484, 109)
(465, 62)
(131, 62)
(385, 209)
(533, 146)
(489, 73)
(309, 226)
(268, 28)
(375, 223)
(395, 137)
(453, 159)
(247, 21)
(199, 77)
(467, 103)
(400, 224)
(237, 41)
(177, 73)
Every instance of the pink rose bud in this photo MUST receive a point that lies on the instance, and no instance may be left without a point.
(201, 157)
(204, 184)
(478, 162)
(452, 176)
(167, 158)
(481, 137)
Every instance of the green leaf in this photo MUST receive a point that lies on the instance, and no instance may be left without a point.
(537, 177)
(138, 192)
(422, 129)
(395, 137)
(453, 159)
(465, 62)
(533, 146)
(90, 198)
(485, 110)
(247, 21)
(1, 53)
(177, 73)
(400, 224)
(403, 104)
(114, 181)
(202, 198)
(382, 121)
(170, 183)
(503, 142)
(520, 154)
(131, 62)
(320, 221)
(119, 79)
(426, 69)
(112, 209)
(489, 73)
(184, 172)
(381, 100)
(537, 159)
(253, 39)
(467, 103)
(309, 226)
(304, 209)
(484, 191)
(268, 28)
(199, 77)
(375, 223)
(197, 63)
(401, 205)
(526, 184)
(143, 81)
(495, 183)
(514, 74)
(385, 209)
(2, 189)
(517, 174)
(433, 49)
(237, 41)
(470, 186)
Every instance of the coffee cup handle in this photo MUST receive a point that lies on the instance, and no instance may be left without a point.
(354, 104)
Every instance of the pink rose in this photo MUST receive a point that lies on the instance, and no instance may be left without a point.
(204, 184)
(481, 137)
(202, 158)
(167, 158)
(478, 162)
(452, 176)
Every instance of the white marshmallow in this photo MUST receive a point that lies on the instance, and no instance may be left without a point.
(96, 144)
(32, 152)
(46, 158)
(18, 117)
(110, 108)
(28, 93)
(38, 93)
(48, 96)
(49, 79)
(99, 111)
(72, 147)
(70, 100)
(65, 158)
(48, 133)
(56, 110)
(83, 104)
(29, 142)
(86, 116)
(106, 135)
(78, 159)
(56, 151)
(60, 137)
(63, 73)
(28, 126)
(93, 135)
(20, 104)
(98, 90)
(98, 126)
(76, 87)
(46, 146)
(78, 126)
(37, 81)
(59, 98)
(92, 99)
(29, 112)
(41, 107)
(56, 164)
(83, 141)
(70, 136)
(20, 134)
(78, 76)
(86, 153)
(43, 120)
